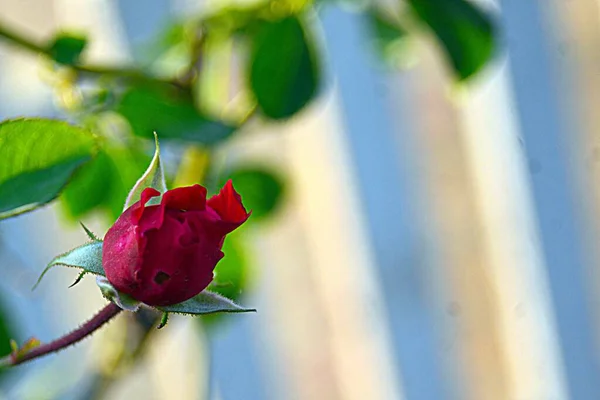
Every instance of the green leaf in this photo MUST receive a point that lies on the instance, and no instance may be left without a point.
(205, 303)
(154, 177)
(66, 48)
(389, 36)
(171, 113)
(261, 190)
(465, 32)
(87, 257)
(39, 156)
(284, 74)
(89, 188)
(104, 183)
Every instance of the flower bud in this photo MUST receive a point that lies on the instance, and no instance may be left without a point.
(165, 254)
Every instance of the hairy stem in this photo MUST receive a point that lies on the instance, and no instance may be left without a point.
(103, 316)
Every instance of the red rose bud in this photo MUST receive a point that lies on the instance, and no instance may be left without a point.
(165, 254)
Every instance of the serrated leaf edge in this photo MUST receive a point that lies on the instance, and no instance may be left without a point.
(217, 295)
(53, 264)
(89, 233)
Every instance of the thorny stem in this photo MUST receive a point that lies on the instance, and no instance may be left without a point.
(103, 316)
(129, 73)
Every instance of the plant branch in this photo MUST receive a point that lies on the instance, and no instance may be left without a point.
(119, 72)
(105, 315)
(22, 41)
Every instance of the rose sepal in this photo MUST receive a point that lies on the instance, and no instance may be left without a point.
(87, 257)
(154, 177)
(109, 292)
(206, 302)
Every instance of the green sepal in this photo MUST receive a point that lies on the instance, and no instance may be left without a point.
(90, 234)
(163, 321)
(109, 292)
(206, 303)
(154, 177)
(79, 278)
(88, 257)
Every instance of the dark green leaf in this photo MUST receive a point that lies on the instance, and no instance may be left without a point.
(261, 190)
(388, 35)
(87, 257)
(66, 48)
(171, 113)
(465, 32)
(284, 74)
(89, 188)
(104, 183)
(205, 303)
(39, 157)
(129, 164)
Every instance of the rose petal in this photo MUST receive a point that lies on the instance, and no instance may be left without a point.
(138, 208)
(189, 198)
(228, 204)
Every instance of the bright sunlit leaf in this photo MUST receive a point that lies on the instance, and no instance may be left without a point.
(39, 156)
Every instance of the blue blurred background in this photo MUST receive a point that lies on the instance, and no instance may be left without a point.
(435, 240)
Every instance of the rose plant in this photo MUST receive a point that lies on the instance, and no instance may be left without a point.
(161, 253)
(165, 254)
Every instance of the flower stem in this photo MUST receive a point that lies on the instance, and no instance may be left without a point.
(103, 316)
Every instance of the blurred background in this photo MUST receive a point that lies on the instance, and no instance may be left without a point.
(422, 175)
